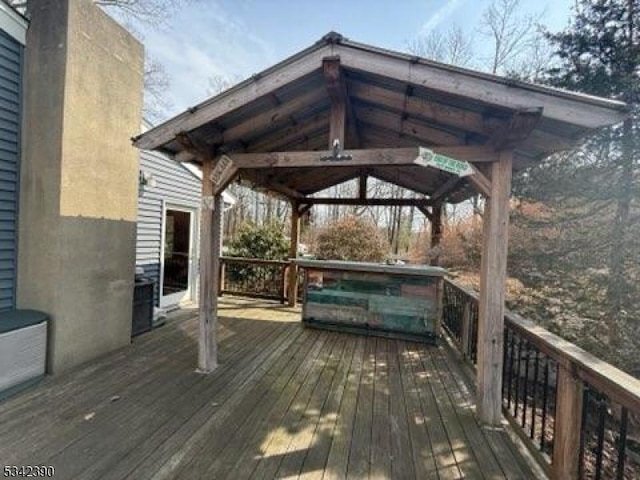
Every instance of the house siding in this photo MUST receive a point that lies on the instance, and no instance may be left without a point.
(175, 185)
(11, 58)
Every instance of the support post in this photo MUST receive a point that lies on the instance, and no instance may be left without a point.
(492, 291)
(566, 444)
(436, 233)
(210, 230)
(292, 290)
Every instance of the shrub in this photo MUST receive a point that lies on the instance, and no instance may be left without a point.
(351, 238)
(267, 242)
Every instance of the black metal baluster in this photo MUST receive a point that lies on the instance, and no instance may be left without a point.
(534, 396)
(518, 362)
(511, 348)
(505, 343)
(602, 417)
(545, 391)
(622, 443)
(526, 385)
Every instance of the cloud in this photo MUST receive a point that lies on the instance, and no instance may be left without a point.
(439, 16)
(201, 42)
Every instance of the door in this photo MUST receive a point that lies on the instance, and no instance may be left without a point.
(178, 256)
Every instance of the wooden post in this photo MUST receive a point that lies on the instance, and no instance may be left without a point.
(209, 270)
(492, 291)
(436, 232)
(292, 291)
(566, 444)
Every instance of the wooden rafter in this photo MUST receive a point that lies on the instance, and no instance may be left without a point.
(343, 122)
(517, 129)
(370, 202)
(276, 140)
(408, 127)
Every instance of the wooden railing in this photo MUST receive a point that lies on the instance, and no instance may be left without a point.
(579, 415)
(253, 277)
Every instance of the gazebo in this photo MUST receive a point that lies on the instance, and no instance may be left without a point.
(341, 110)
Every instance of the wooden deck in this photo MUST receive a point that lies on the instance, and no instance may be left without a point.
(286, 402)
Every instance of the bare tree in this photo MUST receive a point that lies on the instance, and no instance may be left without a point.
(453, 46)
(511, 31)
(156, 84)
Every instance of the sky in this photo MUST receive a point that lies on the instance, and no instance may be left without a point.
(237, 38)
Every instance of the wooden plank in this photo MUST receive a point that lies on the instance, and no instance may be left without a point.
(381, 428)
(276, 445)
(445, 454)
(276, 140)
(568, 418)
(292, 290)
(421, 447)
(359, 158)
(318, 449)
(300, 443)
(466, 459)
(518, 128)
(359, 455)
(215, 457)
(510, 460)
(249, 456)
(402, 465)
(371, 202)
(342, 434)
(492, 292)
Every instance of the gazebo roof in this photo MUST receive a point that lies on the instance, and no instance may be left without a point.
(390, 100)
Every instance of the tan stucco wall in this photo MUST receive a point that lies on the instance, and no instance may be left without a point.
(78, 197)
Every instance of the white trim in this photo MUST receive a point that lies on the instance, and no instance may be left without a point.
(13, 24)
(189, 295)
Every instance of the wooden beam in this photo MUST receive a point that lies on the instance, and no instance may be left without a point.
(342, 111)
(481, 183)
(223, 174)
(436, 233)
(492, 292)
(292, 290)
(446, 188)
(209, 264)
(425, 211)
(276, 140)
(517, 129)
(408, 127)
(359, 158)
(370, 202)
(566, 444)
(263, 179)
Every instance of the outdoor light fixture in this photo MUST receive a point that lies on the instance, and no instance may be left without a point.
(145, 179)
(336, 153)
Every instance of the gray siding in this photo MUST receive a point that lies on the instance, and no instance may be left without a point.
(11, 53)
(174, 185)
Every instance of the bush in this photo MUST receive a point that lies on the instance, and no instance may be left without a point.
(351, 238)
(260, 241)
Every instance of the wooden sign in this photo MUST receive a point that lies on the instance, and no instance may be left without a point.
(429, 158)
(208, 202)
(223, 165)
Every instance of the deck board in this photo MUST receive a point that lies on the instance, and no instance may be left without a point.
(285, 402)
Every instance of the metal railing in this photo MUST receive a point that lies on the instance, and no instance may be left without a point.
(551, 386)
(253, 277)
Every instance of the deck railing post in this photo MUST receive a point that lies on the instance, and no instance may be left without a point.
(568, 415)
(292, 293)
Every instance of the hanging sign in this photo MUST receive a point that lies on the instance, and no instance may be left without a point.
(208, 202)
(222, 167)
(429, 158)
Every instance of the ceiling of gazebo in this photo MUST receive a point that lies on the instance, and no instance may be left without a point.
(392, 100)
